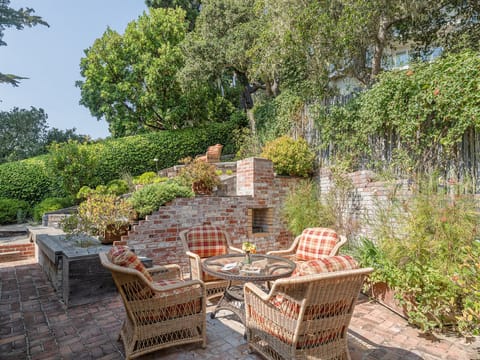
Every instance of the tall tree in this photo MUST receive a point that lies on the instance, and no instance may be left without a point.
(217, 51)
(452, 25)
(22, 133)
(130, 80)
(314, 40)
(18, 19)
(25, 133)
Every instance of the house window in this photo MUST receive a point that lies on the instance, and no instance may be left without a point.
(401, 59)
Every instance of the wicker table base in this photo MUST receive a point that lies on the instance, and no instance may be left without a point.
(233, 298)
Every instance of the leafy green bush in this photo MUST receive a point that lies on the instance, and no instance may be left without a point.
(12, 210)
(148, 177)
(149, 198)
(98, 215)
(51, 204)
(117, 187)
(198, 174)
(276, 117)
(302, 207)
(24, 180)
(289, 156)
(427, 250)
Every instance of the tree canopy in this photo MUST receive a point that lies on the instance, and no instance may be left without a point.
(18, 19)
(234, 48)
(25, 133)
(191, 7)
(131, 79)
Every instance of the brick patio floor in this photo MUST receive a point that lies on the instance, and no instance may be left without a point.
(34, 324)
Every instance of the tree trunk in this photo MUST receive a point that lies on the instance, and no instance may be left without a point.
(380, 41)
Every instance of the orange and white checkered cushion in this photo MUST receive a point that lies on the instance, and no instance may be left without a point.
(326, 264)
(123, 256)
(291, 310)
(206, 241)
(315, 243)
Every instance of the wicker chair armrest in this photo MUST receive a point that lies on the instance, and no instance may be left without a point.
(251, 288)
(192, 255)
(179, 285)
(281, 252)
(233, 249)
(342, 241)
(195, 265)
(166, 272)
(290, 251)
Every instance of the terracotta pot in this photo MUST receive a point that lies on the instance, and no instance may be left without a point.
(382, 293)
(200, 188)
(112, 234)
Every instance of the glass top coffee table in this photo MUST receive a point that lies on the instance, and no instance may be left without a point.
(233, 267)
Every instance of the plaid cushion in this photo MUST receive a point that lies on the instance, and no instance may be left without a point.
(206, 241)
(123, 256)
(315, 243)
(326, 264)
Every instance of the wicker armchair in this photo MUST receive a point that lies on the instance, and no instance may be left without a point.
(201, 242)
(313, 244)
(213, 154)
(306, 317)
(161, 309)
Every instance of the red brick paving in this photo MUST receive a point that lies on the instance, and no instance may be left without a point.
(34, 324)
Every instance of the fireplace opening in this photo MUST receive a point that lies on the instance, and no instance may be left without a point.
(260, 221)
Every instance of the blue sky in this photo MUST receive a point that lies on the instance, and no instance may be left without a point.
(50, 58)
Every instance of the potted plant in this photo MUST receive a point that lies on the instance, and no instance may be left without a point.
(104, 215)
(200, 175)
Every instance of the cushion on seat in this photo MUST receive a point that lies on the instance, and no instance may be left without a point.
(326, 264)
(311, 340)
(123, 256)
(206, 241)
(315, 243)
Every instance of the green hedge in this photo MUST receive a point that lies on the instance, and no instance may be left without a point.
(51, 204)
(78, 165)
(25, 180)
(70, 166)
(12, 211)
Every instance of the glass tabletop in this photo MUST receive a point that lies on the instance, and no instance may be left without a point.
(236, 267)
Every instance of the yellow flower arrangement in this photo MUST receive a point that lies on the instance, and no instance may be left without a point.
(249, 247)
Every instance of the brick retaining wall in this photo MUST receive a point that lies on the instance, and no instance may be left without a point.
(16, 252)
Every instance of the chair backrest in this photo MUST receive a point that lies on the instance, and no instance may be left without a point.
(328, 297)
(214, 152)
(205, 240)
(129, 279)
(315, 243)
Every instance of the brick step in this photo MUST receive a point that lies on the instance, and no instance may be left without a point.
(9, 253)
(15, 252)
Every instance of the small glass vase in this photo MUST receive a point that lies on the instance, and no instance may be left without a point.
(248, 260)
